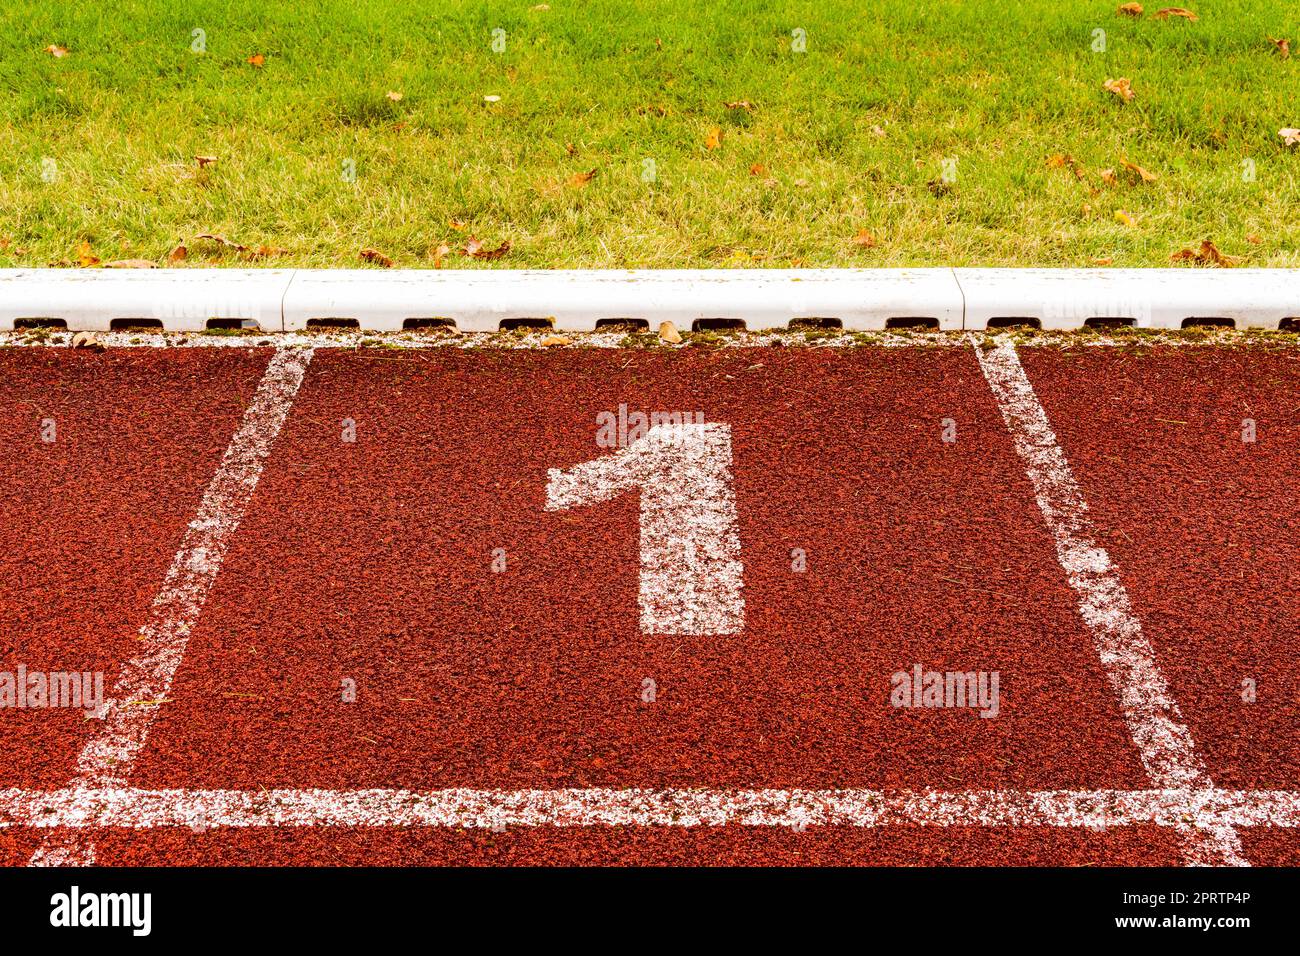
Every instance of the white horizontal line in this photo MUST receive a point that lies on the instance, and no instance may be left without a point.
(1095, 809)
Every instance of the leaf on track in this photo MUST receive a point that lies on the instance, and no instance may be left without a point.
(668, 333)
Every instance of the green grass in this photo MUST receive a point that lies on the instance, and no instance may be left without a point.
(998, 87)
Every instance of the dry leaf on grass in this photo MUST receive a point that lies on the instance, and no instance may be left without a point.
(56, 51)
(205, 160)
(474, 249)
(1064, 161)
(257, 59)
(1124, 218)
(1253, 239)
(1283, 46)
(222, 241)
(865, 239)
(131, 264)
(758, 169)
(740, 105)
(266, 252)
(714, 139)
(1121, 87)
(668, 333)
(394, 96)
(1108, 177)
(1105, 261)
(377, 257)
(85, 256)
(441, 252)
(1208, 254)
(458, 224)
(581, 179)
(1130, 9)
(1168, 12)
(1290, 136)
(178, 254)
(1140, 174)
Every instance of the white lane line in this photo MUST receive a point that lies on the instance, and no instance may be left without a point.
(1163, 741)
(109, 756)
(1093, 809)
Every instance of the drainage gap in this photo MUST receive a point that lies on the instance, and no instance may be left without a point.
(1290, 324)
(147, 325)
(817, 322)
(233, 324)
(526, 323)
(1208, 322)
(333, 324)
(912, 322)
(1014, 321)
(619, 323)
(40, 322)
(1109, 322)
(718, 325)
(431, 322)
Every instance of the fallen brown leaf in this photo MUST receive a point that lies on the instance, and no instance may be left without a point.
(394, 96)
(714, 139)
(474, 249)
(87, 340)
(1121, 87)
(131, 264)
(1253, 239)
(267, 252)
(551, 341)
(222, 241)
(458, 224)
(377, 257)
(257, 59)
(758, 169)
(1108, 177)
(1208, 254)
(668, 333)
(1283, 46)
(1141, 174)
(1124, 218)
(571, 149)
(864, 239)
(56, 51)
(205, 160)
(581, 179)
(1107, 260)
(1175, 12)
(85, 256)
(1290, 136)
(740, 105)
(1130, 9)
(441, 252)
(178, 254)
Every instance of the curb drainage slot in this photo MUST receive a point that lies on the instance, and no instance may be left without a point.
(333, 324)
(526, 323)
(233, 324)
(622, 324)
(912, 322)
(432, 322)
(1109, 322)
(1290, 324)
(40, 323)
(718, 325)
(817, 322)
(146, 325)
(1208, 322)
(1014, 322)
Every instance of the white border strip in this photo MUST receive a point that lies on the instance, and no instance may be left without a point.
(1163, 741)
(479, 300)
(130, 808)
(109, 756)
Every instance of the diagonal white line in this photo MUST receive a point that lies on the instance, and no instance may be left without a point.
(1163, 741)
(109, 756)
(129, 808)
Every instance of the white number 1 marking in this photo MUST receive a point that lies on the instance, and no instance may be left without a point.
(691, 574)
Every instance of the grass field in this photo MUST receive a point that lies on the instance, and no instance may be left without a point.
(931, 126)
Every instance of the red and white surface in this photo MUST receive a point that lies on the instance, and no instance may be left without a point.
(1098, 533)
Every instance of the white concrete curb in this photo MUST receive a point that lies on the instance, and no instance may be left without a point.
(578, 300)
